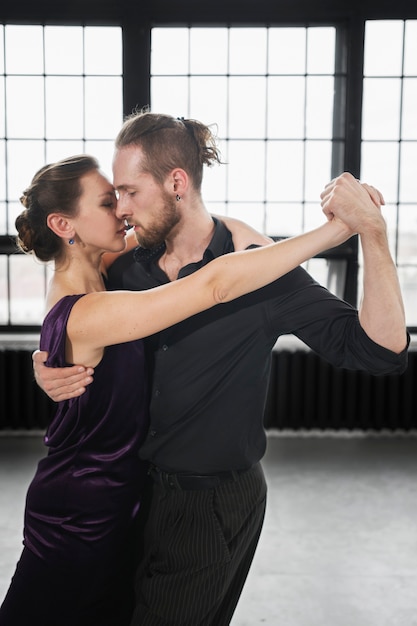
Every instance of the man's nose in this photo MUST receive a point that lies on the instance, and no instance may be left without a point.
(121, 208)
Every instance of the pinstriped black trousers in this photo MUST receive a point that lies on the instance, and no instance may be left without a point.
(198, 548)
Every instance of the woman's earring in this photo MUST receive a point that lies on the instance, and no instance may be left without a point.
(177, 198)
(71, 241)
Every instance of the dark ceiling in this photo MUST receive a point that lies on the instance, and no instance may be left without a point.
(215, 11)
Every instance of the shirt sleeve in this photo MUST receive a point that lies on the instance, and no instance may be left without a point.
(328, 325)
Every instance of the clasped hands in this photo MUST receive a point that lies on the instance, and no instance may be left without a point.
(356, 204)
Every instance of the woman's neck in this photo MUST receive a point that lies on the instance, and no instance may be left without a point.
(72, 277)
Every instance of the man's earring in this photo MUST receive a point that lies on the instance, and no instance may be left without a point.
(177, 198)
(71, 241)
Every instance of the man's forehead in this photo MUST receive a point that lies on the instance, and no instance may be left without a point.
(123, 179)
(128, 153)
(127, 167)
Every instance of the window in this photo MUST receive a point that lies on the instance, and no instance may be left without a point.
(62, 93)
(276, 98)
(295, 103)
(269, 91)
(389, 140)
(270, 94)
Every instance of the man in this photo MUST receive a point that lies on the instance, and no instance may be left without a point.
(210, 373)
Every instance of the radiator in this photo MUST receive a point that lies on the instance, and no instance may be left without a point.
(305, 393)
(23, 406)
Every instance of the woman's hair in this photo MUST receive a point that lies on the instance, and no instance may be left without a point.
(55, 188)
(168, 142)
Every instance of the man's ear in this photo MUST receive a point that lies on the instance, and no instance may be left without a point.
(178, 181)
(60, 225)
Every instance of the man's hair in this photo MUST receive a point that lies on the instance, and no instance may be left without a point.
(168, 142)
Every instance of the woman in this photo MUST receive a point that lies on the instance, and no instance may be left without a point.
(83, 501)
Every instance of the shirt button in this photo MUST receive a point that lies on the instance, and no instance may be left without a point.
(152, 433)
(157, 393)
(164, 347)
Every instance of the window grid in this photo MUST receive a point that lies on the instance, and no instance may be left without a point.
(77, 73)
(312, 151)
(399, 210)
(266, 207)
(389, 143)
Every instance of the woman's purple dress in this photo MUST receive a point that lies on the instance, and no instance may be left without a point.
(83, 500)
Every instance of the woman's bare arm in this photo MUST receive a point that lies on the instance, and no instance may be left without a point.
(106, 318)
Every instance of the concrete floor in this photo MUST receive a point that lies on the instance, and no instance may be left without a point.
(339, 546)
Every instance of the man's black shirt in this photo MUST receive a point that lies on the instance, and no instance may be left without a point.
(210, 373)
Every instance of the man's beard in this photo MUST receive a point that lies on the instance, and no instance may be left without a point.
(155, 235)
